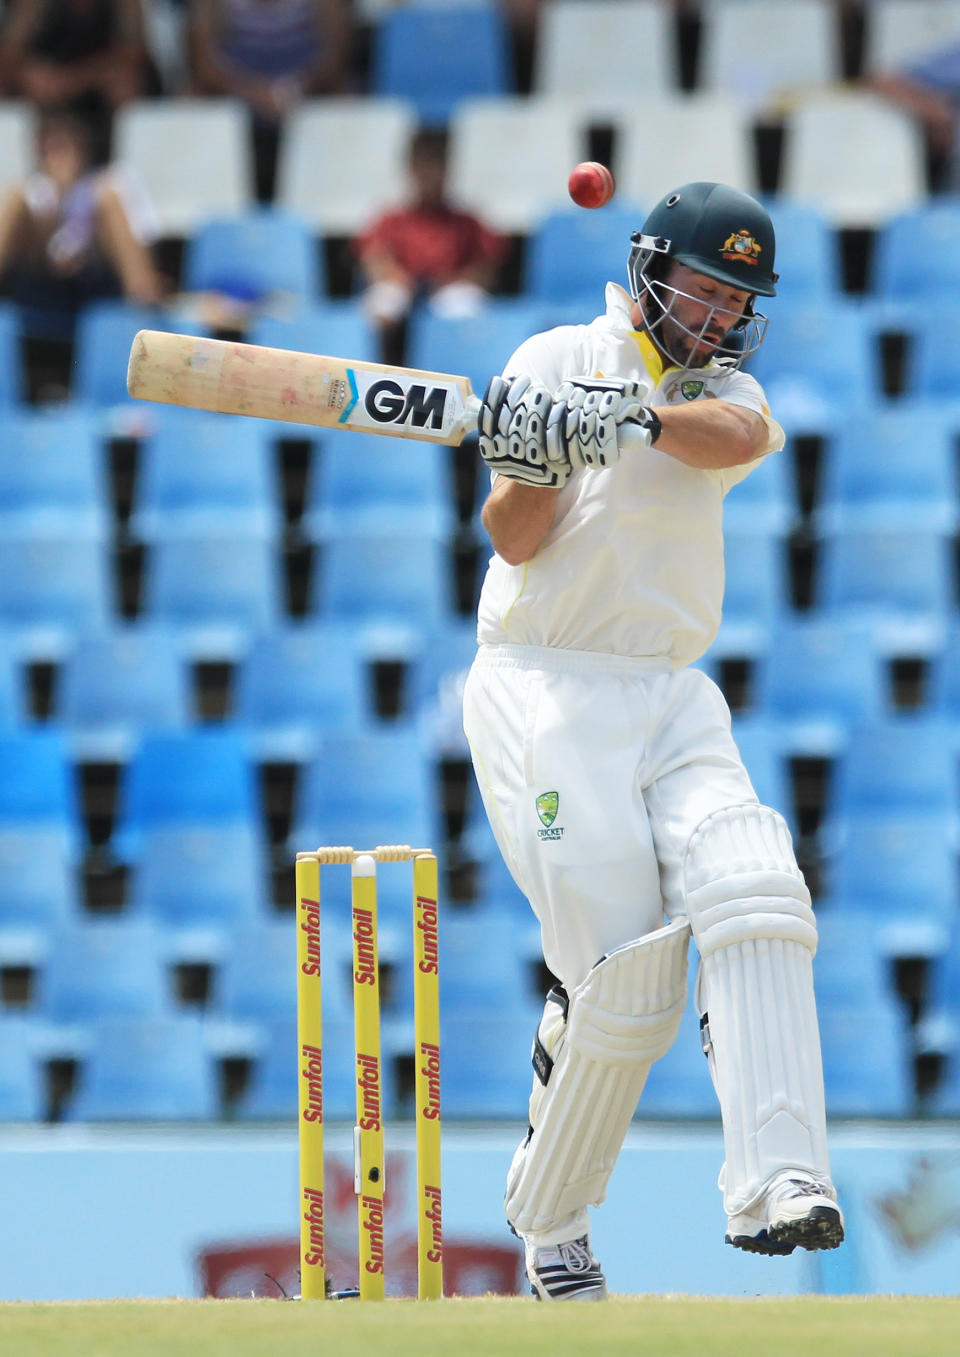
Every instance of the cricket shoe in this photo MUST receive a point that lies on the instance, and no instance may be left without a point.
(796, 1211)
(565, 1271)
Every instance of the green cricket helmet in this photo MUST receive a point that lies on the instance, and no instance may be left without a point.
(714, 230)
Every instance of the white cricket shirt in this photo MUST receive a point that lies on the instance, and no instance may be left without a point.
(633, 564)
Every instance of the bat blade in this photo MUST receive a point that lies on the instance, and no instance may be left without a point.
(302, 388)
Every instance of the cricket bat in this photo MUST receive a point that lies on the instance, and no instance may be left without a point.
(310, 388)
(303, 388)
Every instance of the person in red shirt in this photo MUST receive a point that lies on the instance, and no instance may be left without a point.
(427, 249)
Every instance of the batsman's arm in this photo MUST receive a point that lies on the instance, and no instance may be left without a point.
(713, 434)
(518, 518)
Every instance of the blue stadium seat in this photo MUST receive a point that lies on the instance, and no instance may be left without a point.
(932, 366)
(485, 1060)
(200, 777)
(38, 789)
(944, 680)
(367, 789)
(214, 591)
(146, 1069)
(939, 1026)
(52, 589)
(39, 882)
(52, 475)
(764, 751)
(890, 469)
(437, 55)
(866, 1059)
(819, 677)
(22, 1093)
(576, 253)
(104, 333)
(764, 501)
(200, 876)
(272, 1091)
(398, 578)
(476, 346)
(297, 684)
(116, 685)
(257, 976)
(915, 257)
(808, 257)
(104, 967)
(945, 1100)
(898, 581)
(901, 871)
(817, 361)
(209, 474)
(254, 257)
(12, 376)
(372, 483)
(852, 964)
(900, 768)
(679, 1084)
(338, 328)
(13, 687)
(755, 592)
(486, 956)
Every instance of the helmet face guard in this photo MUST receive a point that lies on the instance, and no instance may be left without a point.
(744, 331)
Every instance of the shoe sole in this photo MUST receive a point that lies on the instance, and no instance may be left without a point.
(583, 1293)
(821, 1228)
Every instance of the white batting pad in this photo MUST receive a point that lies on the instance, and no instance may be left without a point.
(622, 1018)
(753, 924)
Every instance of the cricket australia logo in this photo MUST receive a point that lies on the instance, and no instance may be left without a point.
(742, 246)
(690, 389)
(548, 804)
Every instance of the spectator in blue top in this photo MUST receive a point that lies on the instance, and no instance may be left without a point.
(271, 54)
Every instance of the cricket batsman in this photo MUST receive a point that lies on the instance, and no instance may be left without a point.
(606, 763)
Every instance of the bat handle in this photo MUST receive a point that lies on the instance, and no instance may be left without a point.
(632, 437)
(470, 416)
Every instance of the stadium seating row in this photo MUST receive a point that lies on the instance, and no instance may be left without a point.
(210, 475)
(164, 1065)
(218, 591)
(848, 154)
(814, 674)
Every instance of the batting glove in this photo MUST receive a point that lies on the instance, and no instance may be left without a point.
(512, 425)
(585, 415)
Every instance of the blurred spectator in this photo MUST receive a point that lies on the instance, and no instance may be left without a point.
(271, 54)
(86, 55)
(72, 232)
(929, 88)
(426, 248)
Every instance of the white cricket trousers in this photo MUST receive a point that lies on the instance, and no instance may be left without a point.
(594, 771)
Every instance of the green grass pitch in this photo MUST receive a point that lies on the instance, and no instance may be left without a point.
(655, 1326)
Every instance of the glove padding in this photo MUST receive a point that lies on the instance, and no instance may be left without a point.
(586, 413)
(512, 425)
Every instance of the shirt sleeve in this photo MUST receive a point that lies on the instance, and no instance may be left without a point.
(740, 388)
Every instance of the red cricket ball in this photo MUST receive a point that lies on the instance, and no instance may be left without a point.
(591, 184)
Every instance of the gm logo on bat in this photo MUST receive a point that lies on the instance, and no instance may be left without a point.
(379, 402)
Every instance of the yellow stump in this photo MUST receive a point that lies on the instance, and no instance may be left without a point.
(310, 1080)
(368, 1132)
(426, 1010)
